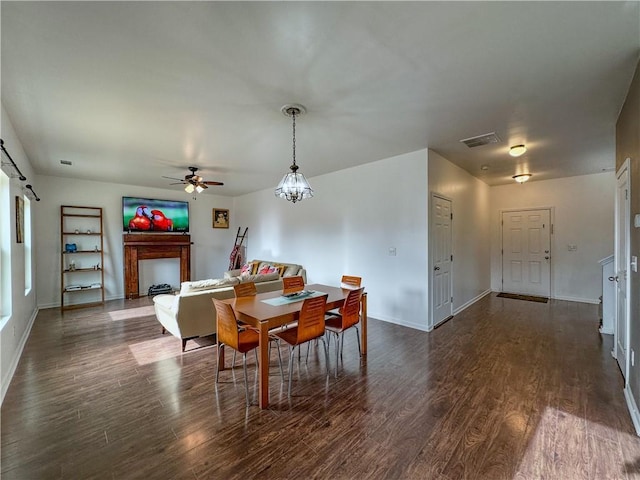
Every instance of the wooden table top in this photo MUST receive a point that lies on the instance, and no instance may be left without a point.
(257, 310)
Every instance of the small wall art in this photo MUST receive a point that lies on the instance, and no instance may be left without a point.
(220, 218)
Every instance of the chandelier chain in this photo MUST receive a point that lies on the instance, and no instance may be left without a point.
(293, 114)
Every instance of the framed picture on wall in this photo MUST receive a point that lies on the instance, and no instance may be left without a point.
(220, 218)
(19, 219)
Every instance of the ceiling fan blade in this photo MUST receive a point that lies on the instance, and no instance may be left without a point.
(213, 183)
(173, 178)
(177, 183)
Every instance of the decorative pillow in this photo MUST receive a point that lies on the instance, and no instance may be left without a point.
(248, 269)
(281, 268)
(209, 284)
(291, 271)
(266, 269)
(259, 278)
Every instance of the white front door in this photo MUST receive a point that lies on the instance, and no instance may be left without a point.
(526, 252)
(441, 258)
(621, 267)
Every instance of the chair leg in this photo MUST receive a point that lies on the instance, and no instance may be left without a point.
(358, 337)
(326, 354)
(280, 359)
(220, 347)
(337, 351)
(291, 353)
(246, 384)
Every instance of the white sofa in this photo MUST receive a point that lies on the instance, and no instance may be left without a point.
(190, 313)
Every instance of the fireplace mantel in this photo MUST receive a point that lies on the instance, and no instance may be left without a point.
(148, 246)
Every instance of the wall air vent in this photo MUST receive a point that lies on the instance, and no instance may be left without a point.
(65, 162)
(485, 139)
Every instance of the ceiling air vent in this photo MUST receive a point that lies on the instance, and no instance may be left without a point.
(485, 139)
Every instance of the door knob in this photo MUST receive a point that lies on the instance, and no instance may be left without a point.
(613, 279)
(436, 268)
(547, 257)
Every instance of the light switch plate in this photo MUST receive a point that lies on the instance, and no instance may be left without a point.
(636, 220)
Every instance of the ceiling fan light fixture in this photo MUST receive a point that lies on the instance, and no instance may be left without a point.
(189, 188)
(199, 188)
(517, 150)
(522, 177)
(293, 187)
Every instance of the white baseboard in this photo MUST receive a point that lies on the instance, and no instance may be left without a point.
(606, 331)
(395, 321)
(633, 408)
(57, 304)
(471, 302)
(594, 301)
(16, 358)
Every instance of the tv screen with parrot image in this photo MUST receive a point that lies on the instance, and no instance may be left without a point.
(152, 215)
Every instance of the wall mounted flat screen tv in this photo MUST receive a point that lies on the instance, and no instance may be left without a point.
(152, 215)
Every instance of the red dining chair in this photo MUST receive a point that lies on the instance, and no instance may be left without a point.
(292, 285)
(229, 334)
(248, 289)
(310, 326)
(348, 316)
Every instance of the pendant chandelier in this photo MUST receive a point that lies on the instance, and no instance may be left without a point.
(294, 186)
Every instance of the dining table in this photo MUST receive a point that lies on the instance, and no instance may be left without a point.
(266, 311)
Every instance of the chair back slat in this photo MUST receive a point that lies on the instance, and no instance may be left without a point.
(226, 324)
(292, 285)
(245, 289)
(311, 321)
(349, 281)
(350, 310)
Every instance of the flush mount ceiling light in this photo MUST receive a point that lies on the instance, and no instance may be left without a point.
(522, 177)
(294, 186)
(517, 150)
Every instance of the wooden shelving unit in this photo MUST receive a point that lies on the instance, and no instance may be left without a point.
(82, 266)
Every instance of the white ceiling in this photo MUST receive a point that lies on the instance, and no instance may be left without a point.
(132, 91)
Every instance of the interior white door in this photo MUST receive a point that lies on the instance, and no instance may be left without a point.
(526, 252)
(621, 267)
(441, 255)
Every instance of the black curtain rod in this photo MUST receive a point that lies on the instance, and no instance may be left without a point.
(21, 176)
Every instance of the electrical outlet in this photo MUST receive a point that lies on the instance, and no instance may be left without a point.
(633, 358)
(392, 251)
(572, 248)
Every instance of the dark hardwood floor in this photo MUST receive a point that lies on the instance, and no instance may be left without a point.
(508, 389)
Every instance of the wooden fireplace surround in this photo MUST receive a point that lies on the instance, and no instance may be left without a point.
(149, 246)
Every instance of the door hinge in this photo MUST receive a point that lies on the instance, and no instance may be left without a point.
(626, 194)
(451, 216)
(452, 258)
(552, 229)
(451, 299)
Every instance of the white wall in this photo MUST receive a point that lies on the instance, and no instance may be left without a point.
(15, 328)
(471, 234)
(356, 215)
(209, 252)
(584, 216)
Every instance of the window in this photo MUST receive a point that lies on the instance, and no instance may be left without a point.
(28, 251)
(5, 249)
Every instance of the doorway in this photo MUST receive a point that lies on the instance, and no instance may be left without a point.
(621, 253)
(526, 252)
(441, 259)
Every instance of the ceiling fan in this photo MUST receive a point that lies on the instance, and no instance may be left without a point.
(192, 181)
